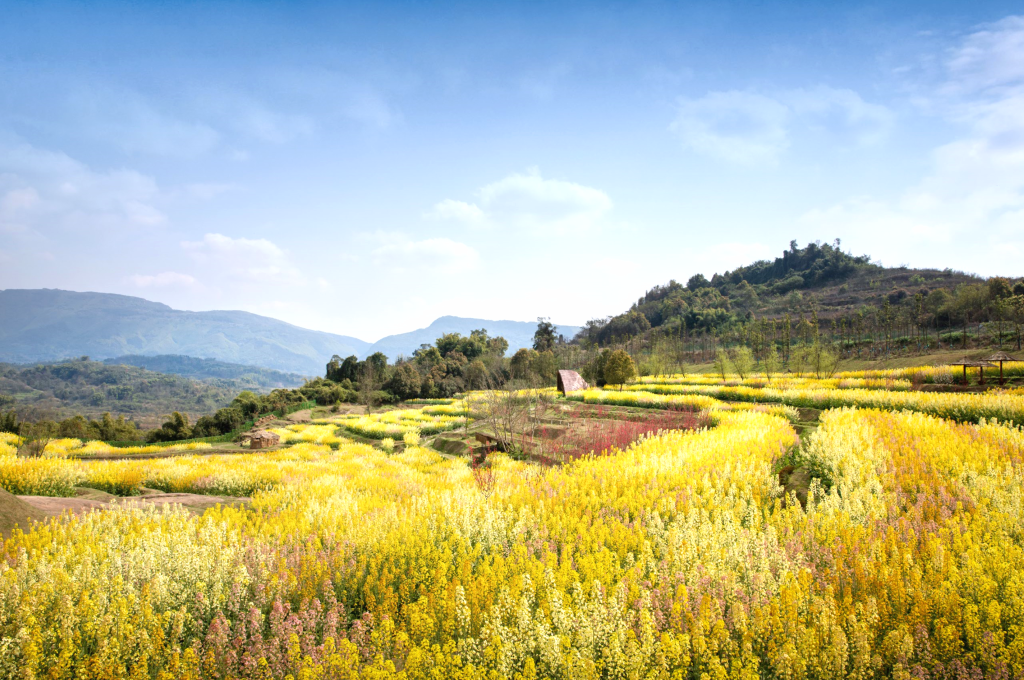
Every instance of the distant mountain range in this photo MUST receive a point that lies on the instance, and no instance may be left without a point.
(52, 325)
(518, 333)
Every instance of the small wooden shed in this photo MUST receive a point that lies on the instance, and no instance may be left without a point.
(571, 381)
(261, 439)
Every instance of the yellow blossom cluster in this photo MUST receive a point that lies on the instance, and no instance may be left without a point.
(76, 447)
(1003, 406)
(396, 424)
(634, 396)
(784, 380)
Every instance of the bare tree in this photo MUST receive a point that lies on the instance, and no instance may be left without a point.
(508, 409)
(369, 385)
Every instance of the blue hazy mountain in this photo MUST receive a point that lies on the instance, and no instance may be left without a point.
(50, 325)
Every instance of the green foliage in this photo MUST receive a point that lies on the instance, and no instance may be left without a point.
(91, 388)
(722, 363)
(742, 361)
(619, 368)
(544, 338)
(176, 428)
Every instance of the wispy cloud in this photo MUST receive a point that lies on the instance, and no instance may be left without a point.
(49, 193)
(749, 128)
(975, 184)
(740, 127)
(162, 280)
(529, 202)
(433, 255)
(252, 259)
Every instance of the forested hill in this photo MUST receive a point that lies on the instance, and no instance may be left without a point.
(91, 388)
(819, 279)
(216, 372)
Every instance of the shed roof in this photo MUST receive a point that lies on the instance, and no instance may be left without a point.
(1000, 356)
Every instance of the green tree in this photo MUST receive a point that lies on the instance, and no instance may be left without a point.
(722, 363)
(771, 362)
(742, 361)
(619, 368)
(405, 382)
(544, 337)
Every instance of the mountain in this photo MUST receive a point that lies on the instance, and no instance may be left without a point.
(51, 325)
(518, 333)
(213, 371)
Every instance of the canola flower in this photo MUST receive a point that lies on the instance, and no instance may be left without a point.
(781, 380)
(76, 447)
(395, 424)
(696, 402)
(1003, 406)
(674, 558)
(302, 432)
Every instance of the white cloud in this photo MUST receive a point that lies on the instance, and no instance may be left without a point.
(253, 259)
(530, 202)
(988, 58)
(740, 127)
(841, 110)
(50, 194)
(749, 128)
(441, 255)
(460, 211)
(162, 280)
(974, 191)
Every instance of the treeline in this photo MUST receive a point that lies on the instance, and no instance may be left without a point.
(451, 365)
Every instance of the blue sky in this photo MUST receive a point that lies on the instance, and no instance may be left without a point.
(363, 169)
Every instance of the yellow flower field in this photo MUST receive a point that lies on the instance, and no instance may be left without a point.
(678, 557)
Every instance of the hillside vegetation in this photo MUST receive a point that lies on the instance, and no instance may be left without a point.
(91, 388)
(816, 295)
(222, 373)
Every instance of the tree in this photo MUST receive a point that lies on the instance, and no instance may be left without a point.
(369, 385)
(722, 362)
(742, 361)
(544, 337)
(619, 368)
(476, 375)
(405, 382)
(823, 360)
(521, 362)
(697, 281)
(771, 363)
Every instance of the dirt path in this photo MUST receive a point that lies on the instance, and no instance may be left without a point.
(301, 416)
(90, 499)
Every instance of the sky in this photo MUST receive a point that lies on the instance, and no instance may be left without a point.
(365, 168)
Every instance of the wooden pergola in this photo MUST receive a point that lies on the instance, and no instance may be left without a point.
(1000, 357)
(980, 365)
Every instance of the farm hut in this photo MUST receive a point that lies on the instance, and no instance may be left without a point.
(261, 439)
(571, 381)
(1000, 357)
(980, 365)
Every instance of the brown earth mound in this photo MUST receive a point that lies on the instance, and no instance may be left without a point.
(15, 512)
